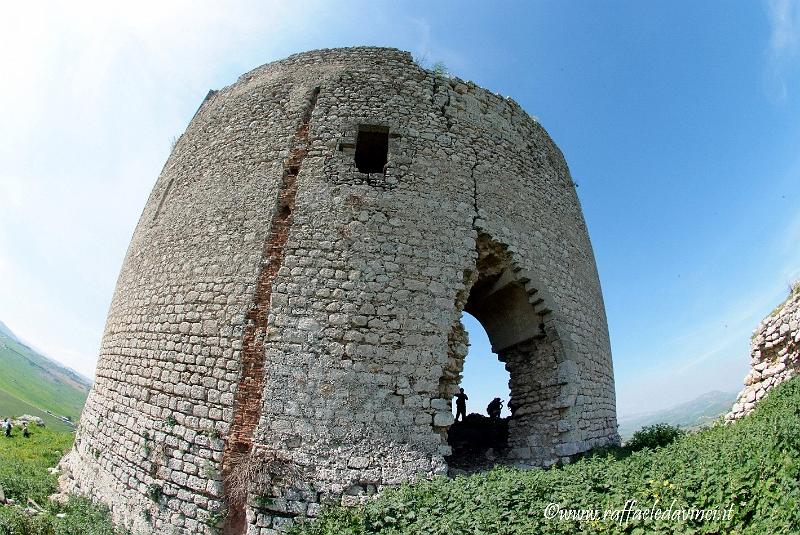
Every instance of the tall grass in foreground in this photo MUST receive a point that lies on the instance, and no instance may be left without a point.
(751, 470)
(23, 475)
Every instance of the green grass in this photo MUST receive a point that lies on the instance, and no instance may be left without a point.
(38, 381)
(751, 469)
(23, 475)
(24, 462)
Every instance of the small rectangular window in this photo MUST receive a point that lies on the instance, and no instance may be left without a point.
(372, 149)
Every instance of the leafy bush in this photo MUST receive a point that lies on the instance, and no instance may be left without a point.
(750, 469)
(23, 474)
(440, 70)
(653, 436)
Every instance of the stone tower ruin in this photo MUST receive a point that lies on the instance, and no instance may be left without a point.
(285, 330)
(774, 354)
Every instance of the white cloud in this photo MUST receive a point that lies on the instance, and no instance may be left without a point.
(784, 17)
(92, 94)
(784, 43)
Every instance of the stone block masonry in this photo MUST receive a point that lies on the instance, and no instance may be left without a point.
(247, 401)
(285, 331)
(774, 355)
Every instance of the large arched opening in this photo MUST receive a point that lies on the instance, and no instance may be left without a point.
(477, 437)
(517, 314)
(484, 376)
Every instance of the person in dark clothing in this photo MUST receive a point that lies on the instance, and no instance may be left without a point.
(494, 408)
(25, 432)
(461, 404)
(7, 424)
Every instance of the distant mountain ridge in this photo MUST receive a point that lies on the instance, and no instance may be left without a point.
(698, 412)
(4, 330)
(35, 384)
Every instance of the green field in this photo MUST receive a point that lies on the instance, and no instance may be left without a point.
(31, 383)
(11, 406)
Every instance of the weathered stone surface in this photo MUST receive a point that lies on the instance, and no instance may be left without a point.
(28, 419)
(288, 320)
(774, 355)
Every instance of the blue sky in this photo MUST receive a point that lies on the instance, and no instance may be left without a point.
(680, 122)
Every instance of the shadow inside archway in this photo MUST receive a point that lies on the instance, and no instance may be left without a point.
(476, 442)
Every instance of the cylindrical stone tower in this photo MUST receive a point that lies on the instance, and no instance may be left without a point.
(285, 330)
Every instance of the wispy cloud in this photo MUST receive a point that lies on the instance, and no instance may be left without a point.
(784, 42)
(92, 93)
(423, 47)
(784, 16)
(714, 354)
(427, 50)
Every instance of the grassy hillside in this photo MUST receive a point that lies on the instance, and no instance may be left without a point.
(11, 406)
(690, 415)
(29, 379)
(4, 330)
(749, 470)
(23, 475)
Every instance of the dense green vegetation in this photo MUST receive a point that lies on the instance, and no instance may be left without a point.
(751, 470)
(746, 477)
(653, 437)
(30, 383)
(23, 475)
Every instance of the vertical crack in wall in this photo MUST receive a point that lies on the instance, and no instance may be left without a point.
(445, 103)
(248, 400)
(449, 121)
(163, 198)
(210, 96)
(475, 215)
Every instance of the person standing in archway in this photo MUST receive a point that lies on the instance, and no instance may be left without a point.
(461, 404)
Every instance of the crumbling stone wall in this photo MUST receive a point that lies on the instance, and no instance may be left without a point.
(285, 328)
(774, 355)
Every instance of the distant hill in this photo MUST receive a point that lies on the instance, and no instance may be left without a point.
(5, 331)
(34, 384)
(692, 414)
